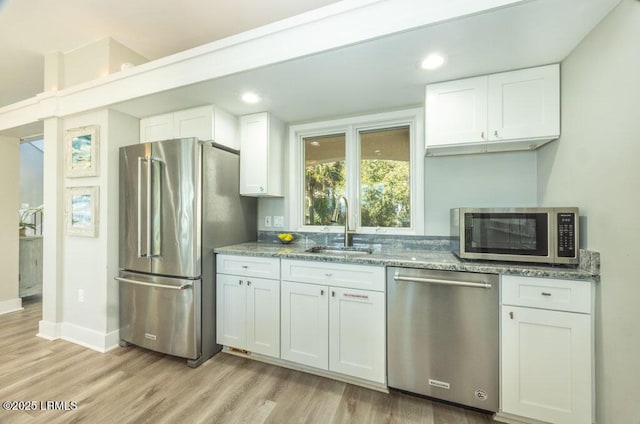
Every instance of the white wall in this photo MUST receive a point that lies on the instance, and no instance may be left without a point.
(89, 264)
(31, 175)
(9, 160)
(484, 180)
(595, 166)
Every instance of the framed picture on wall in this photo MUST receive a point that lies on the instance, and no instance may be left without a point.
(81, 152)
(81, 209)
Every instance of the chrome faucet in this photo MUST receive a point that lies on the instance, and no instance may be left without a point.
(334, 218)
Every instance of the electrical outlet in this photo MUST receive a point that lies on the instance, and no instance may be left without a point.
(80, 295)
(278, 221)
(267, 221)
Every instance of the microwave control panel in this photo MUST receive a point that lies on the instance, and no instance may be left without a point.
(566, 235)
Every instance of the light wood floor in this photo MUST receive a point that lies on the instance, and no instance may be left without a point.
(132, 385)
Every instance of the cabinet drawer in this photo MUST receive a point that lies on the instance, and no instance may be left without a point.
(546, 293)
(365, 277)
(250, 266)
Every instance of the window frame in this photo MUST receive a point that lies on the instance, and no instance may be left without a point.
(351, 128)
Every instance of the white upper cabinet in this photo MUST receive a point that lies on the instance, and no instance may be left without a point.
(516, 110)
(457, 112)
(261, 161)
(205, 123)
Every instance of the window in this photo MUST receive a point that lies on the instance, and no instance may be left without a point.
(324, 177)
(374, 161)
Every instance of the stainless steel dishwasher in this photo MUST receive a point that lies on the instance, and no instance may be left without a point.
(442, 335)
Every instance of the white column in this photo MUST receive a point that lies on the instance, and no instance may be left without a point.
(53, 227)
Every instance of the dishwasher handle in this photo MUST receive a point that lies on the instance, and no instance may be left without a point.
(398, 277)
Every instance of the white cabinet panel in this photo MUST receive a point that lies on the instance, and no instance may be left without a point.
(305, 324)
(156, 128)
(456, 112)
(335, 274)
(261, 161)
(251, 266)
(546, 365)
(357, 337)
(524, 104)
(561, 295)
(263, 316)
(231, 306)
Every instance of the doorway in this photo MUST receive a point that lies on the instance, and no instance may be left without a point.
(30, 210)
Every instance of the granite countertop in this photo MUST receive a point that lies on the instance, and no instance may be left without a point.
(421, 258)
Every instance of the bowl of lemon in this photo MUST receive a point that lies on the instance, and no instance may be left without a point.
(285, 238)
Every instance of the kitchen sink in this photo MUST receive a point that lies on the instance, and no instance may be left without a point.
(338, 250)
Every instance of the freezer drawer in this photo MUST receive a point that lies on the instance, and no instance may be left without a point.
(161, 313)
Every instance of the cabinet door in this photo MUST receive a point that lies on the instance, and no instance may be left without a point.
(456, 112)
(263, 316)
(357, 338)
(197, 122)
(305, 324)
(525, 104)
(156, 128)
(546, 365)
(231, 311)
(254, 156)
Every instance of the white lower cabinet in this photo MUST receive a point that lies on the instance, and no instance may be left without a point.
(547, 355)
(305, 324)
(357, 337)
(248, 313)
(329, 316)
(339, 329)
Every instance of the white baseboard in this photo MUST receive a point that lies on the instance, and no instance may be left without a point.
(92, 339)
(49, 330)
(10, 305)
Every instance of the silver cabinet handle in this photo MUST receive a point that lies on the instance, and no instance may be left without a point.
(545, 294)
(495, 133)
(328, 274)
(248, 283)
(240, 282)
(160, 286)
(511, 315)
(482, 135)
(321, 292)
(444, 282)
(245, 266)
(333, 293)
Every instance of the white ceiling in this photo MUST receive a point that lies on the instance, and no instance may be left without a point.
(375, 75)
(384, 73)
(29, 29)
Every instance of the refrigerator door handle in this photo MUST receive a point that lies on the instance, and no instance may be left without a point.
(154, 225)
(160, 286)
(139, 214)
(149, 183)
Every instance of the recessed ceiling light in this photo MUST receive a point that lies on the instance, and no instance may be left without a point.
(250, 98)
(432, 61)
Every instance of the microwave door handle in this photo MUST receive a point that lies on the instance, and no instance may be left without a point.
(139, 214)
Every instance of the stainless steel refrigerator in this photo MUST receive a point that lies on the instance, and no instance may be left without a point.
(179, 199)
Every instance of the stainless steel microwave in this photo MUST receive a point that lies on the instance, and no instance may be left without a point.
(543, 235)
